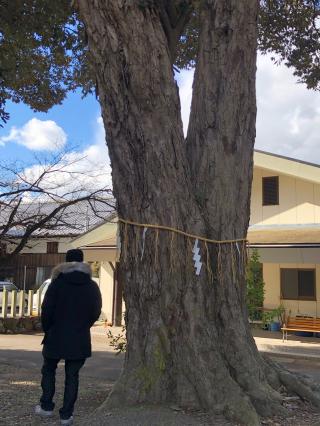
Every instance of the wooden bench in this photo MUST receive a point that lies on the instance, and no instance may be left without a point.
(300, 324)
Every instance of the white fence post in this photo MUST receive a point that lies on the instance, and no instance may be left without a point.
(30, 303)
(39, 302)
(4, 303)
(13, 303)
(17, 302)
(21, 303)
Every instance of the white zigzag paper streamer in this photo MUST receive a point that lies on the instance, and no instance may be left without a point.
(197, 257)
(143, 241)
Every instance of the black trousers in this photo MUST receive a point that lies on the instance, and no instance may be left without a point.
(72, 368)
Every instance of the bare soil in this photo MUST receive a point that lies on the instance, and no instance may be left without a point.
(20, 392)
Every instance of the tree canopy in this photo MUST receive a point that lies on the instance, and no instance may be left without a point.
(43, 51)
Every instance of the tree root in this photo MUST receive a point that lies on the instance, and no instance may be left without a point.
(297, 386)
(302, 385)
(237, 405)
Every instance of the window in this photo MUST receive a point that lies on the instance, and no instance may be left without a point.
(52, 247)
(270, 191)
(298, 284)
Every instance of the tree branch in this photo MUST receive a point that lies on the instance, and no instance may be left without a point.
(11, 218)
(174, 17)
(40, 225)
(33, 201)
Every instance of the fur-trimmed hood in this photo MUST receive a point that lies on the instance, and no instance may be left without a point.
(70, 267)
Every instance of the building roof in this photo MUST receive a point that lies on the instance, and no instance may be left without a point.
(72, 221)
(102, 235)
(288, 166)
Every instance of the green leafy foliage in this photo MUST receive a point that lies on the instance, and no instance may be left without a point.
(42, 53)
(188, 47)
(118, 341)
(290, 30)
(255, 286)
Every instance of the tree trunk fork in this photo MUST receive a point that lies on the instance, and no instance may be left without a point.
(188, 337)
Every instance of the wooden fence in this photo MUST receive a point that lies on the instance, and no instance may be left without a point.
(20, 304)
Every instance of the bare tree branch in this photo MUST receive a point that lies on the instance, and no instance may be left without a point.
(45, 201)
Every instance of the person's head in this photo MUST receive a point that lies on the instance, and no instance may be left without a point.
(74, 255)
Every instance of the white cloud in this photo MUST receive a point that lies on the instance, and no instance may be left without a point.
(288, 120)
(37, 135)
(99, 132)
(82, 170)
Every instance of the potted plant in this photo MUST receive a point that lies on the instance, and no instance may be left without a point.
(267, 318)
(275, 319)
(278, 313)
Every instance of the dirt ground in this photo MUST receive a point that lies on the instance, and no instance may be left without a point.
(19, 393)
(20, 361)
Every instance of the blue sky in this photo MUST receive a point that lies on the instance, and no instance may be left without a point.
(288, 121)
(76, 116)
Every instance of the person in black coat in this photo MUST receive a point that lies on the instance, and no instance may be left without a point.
(70, 307)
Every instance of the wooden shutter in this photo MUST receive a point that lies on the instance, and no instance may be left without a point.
(270, 190)
(52, 247)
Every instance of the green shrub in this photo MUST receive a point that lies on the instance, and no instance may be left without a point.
(255, 286)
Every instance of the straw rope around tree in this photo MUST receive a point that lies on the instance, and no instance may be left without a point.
(238, 247)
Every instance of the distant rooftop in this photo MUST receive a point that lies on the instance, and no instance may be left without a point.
(72, 221)
(288, 166)
(287, 158)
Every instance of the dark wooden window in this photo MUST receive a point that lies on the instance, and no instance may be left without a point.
(298, 284)
(270, 190)
(52, 247)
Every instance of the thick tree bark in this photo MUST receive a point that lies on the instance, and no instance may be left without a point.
(188, 336)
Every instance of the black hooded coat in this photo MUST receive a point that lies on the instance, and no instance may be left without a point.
(70, 307)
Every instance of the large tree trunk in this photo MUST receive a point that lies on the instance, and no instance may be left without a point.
(188, 336)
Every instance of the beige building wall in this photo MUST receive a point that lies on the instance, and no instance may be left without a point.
(106, 288)
(299, 201)
(271, 275)
(40, 245)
